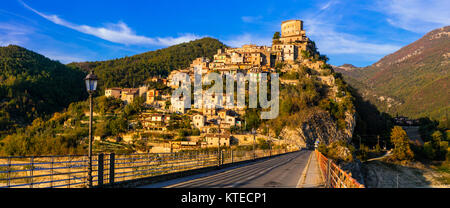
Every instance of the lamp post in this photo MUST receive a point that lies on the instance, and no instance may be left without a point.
(91, 85)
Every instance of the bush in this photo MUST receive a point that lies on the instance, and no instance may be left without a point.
(263, 144)
(339, 150)
(429, 151)
(447, 156)
(363, 152)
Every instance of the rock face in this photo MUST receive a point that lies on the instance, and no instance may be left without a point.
(319, 126)
(322, 127)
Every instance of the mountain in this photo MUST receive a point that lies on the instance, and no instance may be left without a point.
(413, 81)
(33, 86)
(134, 70)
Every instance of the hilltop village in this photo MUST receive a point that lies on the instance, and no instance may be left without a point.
(160, 124)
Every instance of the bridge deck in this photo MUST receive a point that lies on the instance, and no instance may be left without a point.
(279, 172)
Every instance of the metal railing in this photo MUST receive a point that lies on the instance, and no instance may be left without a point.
(44, 171)
(334, 176)
(70, 171)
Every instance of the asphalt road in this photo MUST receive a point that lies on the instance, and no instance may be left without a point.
(279, 172)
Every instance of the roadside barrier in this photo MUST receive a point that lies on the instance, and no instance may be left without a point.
(334, 176)
(71, 171)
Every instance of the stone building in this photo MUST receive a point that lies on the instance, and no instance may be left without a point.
(151, 96)
(212, 140)
(128, 95)
(198, 121)
(143, 90)
(292, 31)
(113, 92)
(202, 61)
(292, 42)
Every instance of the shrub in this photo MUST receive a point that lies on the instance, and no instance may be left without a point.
(428, 150)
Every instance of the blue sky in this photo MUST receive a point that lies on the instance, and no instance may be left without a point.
(356, 32)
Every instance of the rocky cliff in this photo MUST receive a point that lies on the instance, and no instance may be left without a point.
(319, 125)
(326, 115)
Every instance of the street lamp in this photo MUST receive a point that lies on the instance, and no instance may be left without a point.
(91, 85)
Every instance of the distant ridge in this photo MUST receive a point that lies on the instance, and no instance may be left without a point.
(413, 81)
(134, 70)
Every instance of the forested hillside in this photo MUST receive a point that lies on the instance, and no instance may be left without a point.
(33, 86)
(135, 70)
(413, 81)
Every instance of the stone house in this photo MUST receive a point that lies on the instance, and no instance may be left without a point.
(128, 94)
(212, 140)
(198, 121)
(151, 96)
(113, 92)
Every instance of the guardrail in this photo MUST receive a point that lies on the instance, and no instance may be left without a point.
(70, 171)
(334, 176)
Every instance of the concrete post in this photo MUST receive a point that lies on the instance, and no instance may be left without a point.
(111, 167)
(100, 169)
(328, 182)
(232, 160)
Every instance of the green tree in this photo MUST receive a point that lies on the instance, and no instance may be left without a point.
(118, 125)
(252, 119)
(276, 36)
(402, 150)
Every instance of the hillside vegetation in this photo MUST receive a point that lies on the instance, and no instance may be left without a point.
(135, 70)
(33, 86)
(413, 81)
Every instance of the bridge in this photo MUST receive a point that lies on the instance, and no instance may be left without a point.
(278, 168)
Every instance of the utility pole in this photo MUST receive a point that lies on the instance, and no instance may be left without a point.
(378, 137)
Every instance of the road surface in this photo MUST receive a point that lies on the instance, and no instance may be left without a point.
(279, 172)
(413, 134)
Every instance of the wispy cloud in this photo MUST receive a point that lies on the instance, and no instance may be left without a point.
(251, 19)
(63, 58)
(13, 33)
(247, 38)
(331, 41)
(416, 15)
(327, 5)
(116, 32)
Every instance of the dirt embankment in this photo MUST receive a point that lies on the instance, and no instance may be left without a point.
(379, 174)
